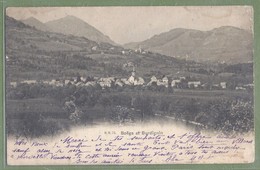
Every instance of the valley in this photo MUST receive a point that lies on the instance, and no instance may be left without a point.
(74, 79)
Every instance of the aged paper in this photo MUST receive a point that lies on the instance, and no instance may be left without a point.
(132, 145)
(129, 85)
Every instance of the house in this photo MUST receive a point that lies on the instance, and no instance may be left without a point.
(78, 84)
(249, 85)
(163, 82)
(125, 81)
(138, 50)
(165, 79)
(139, 81)
(195, 84)
(131, 79)
(125, 52)
(55, 83)
(119, 83)
(83, 79)
(29, 82)
(182, 78)
(66, 82)
(223, 85)
(76, 79)
(175, 83)
(240, 88)
(106, 82)
(52, 82)
(112, 79)
(153, 80)
(13, 84)
(59, 84)
(45, 82)
(94, 48)
(7, 58)
(90, 83)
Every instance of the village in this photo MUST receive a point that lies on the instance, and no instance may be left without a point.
(181, 82)
(55, 82)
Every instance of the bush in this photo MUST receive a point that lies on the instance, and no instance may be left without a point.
(35, 125)
(227, 116)
(145, 105)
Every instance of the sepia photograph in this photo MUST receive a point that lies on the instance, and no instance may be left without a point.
(129, 85)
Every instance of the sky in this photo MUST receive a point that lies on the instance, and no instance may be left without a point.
(134, 24)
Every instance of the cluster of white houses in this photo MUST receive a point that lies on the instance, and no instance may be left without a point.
(133, 80)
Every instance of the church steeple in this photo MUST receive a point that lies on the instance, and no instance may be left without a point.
(133, 72)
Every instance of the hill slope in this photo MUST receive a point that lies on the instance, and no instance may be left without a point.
(229, 44)
(75, 26)
(33, 22)
(35, 54)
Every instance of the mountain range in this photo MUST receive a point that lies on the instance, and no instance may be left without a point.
(70, 25)
(223, 44)
(35, 54)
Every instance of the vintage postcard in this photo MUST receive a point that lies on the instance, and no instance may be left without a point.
(129, 85)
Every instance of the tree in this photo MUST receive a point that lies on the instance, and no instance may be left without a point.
(145, 105)
(105, 102)
(165, 105)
